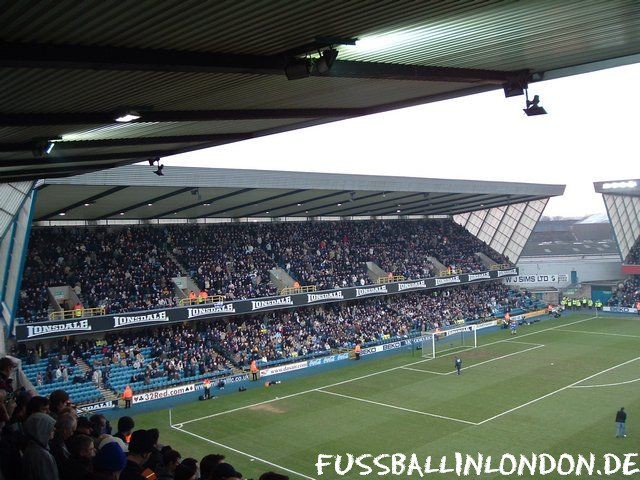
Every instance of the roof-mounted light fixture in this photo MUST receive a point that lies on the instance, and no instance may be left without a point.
(128, 116)
(154, 160)
(44, 146)
(316, 57)
(533, 106)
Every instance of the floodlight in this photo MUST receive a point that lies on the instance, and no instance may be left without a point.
(298, 68)
(324, 63)
(128, 116)
(533, 106)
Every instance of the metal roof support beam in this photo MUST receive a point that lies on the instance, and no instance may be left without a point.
(120, 142)
(250, 204)
(89, 200)
(309, 200)
(101, 118)
(142, 204)
(201, 202)
(24, 55)
(52, 159)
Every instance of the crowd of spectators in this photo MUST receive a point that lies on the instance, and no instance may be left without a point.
(627, 294)
(128, 269)
(123, 269)
(48, 438)
(178, 351)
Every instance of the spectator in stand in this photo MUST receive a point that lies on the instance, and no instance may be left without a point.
(38, 404)
(207, 465)
(109, 461)
(79, 464)
(170, 461)
(58, 401)
(185, 471)
(140, 448)
(225, 471)
(155, 459)
(125, 428)
(37, 462)
(65, 427)
(130, 269)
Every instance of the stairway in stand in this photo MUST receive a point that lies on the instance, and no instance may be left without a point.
(107, 393)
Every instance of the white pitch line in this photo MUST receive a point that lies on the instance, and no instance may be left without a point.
(243, 453)
(527, 343)
(423, 371)
(601, 333)
(607, 384)
(497, 358)
(506, 340)
(443, 417)
(557, 391)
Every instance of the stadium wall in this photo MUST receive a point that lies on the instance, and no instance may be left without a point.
(556, 271)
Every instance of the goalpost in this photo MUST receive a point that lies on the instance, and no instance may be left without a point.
(460, 338)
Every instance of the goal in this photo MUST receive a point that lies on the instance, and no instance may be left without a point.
(435, 344)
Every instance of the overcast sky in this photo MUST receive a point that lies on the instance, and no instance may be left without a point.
(590, 134)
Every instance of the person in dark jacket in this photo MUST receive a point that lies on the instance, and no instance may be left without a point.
(125, 427)
(82, 451)
(37, 462)
(155, 459)
(140, 448)
(621, 423)
(170, 461)
(64, 428)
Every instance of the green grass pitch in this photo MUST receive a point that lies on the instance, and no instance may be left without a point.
(552, 388)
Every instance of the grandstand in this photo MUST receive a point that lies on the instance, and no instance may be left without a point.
(122, 261)
(113, 276)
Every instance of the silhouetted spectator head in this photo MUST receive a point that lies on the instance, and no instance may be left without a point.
(81, 446)
(58, 400)
(185, 471)
(273, 476)
(38, 404)
(98, 424)
(225, 471)
(171, 459)
(141, 443)
(208, 463)
(84, 426)
(126, 425)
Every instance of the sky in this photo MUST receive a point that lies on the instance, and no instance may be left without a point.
(588, 135)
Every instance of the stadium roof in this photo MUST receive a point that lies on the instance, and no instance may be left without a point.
(201, 74)
(133, 192)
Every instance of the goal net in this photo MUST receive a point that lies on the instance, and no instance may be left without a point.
(435, 344)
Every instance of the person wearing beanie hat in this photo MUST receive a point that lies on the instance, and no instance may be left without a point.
(37, 462)
(104, 439)
(140, 447)
(108, 462)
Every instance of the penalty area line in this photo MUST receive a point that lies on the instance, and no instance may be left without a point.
(395, 407)
(235, 450)
(558, 390)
